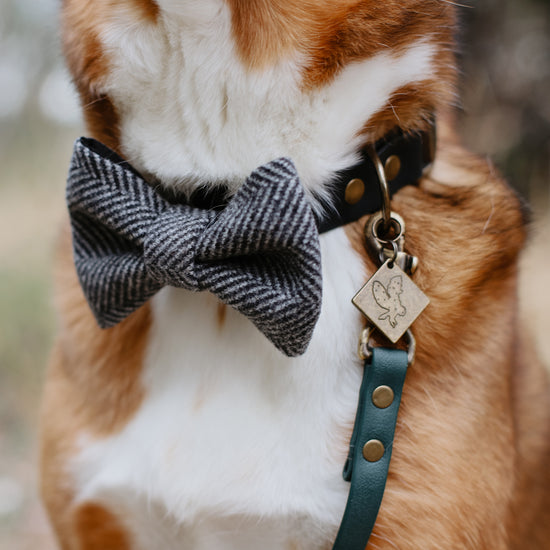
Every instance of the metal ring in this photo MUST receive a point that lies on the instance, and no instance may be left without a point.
(411, 351)
(395, 220)
(364, 349)
(384, 189)
(377, 246)
(395, 252)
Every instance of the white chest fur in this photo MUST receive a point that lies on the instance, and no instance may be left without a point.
(190, 112)
(234, 440)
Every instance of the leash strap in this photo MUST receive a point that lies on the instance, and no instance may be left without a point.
(371, 445)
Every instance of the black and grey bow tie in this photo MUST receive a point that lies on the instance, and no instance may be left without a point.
(260, 254)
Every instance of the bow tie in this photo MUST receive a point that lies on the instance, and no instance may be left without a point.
(260, 254)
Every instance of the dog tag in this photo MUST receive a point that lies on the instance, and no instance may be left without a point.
(391, 301)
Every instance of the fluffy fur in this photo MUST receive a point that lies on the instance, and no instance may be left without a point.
(183, 427)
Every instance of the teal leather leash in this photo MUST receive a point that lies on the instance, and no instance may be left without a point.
(391, 302)
(371, 445)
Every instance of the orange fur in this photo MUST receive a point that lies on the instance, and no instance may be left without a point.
(221, 314)
(93, 385)
(334, 33)
(109, 396)
(410, 108)
(98, 529)
(89, 65)
(461, 451)
(149, 9)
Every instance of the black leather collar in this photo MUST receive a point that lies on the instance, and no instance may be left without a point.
(412, 154)
(406, 155)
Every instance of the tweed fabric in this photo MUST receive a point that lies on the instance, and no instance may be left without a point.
(260, 254)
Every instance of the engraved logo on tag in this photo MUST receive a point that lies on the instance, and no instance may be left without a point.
(391, 301)
(388, 299)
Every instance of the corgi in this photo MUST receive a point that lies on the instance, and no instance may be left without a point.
(182, 426)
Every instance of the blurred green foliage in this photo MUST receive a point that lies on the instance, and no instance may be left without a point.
(25, 335)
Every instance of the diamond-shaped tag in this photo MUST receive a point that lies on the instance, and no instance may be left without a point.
(391, 301)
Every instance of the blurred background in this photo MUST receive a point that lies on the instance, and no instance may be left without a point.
(505, 57)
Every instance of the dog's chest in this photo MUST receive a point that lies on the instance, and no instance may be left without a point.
(232, 436)
(235, 445)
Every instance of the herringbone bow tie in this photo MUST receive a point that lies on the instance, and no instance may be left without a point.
(260, 254)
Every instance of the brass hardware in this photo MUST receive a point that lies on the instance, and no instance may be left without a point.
(355, 190)
(390, 300)
(396, 224)
(406, 262)
(382, 397)
(384, 189)
(364, 349)
(375, 243)
(411, 347)
(373, 450)
(392, 166)
(394, 232)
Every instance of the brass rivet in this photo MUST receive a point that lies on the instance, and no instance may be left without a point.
(354, 191)
(382, 397)
(373, 450)
(392, 167)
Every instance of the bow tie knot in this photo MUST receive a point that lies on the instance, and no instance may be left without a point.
(260, 254)
(169, 247)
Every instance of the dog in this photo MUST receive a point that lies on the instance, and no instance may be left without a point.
(182, 426)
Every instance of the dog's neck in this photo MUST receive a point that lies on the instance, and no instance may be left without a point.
(190, 110)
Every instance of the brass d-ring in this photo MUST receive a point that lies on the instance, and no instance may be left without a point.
(411, 346)
(378, 245)
(384, 189)
(365, 349)
(396, 223)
